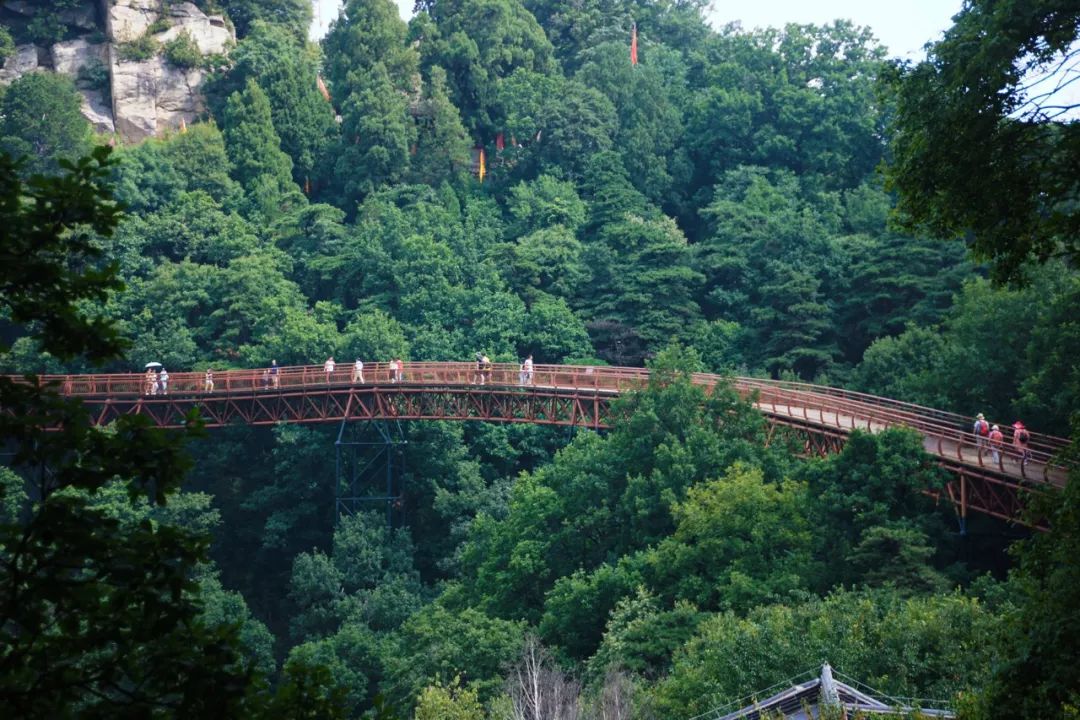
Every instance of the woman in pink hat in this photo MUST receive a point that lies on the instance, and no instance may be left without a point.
(1021, 438)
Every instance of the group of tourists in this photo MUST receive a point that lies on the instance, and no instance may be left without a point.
(157, 378)
(990, 437)
(395, 366)
(156, 381)
(482, 375)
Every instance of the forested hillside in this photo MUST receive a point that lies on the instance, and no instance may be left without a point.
(503, 177)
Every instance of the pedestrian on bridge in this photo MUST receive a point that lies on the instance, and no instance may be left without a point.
(150, 382)
(996, 441)
(163, 381)
(274, 374)
(981, 430)
(358, 371)
(208, 381)
(1021, 440)
(478, 376)
(328, 368)
(399, 370)
(527, 371)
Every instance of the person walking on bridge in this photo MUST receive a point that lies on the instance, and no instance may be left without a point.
(208, 381)
(1021, 438)
(328, 368)
(481, 362)
(358, 371)
(527, 371)
(981, 430)
(996, 440)
(273, 374)
(163, 381)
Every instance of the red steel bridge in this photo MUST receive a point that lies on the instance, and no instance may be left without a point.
(821, 417)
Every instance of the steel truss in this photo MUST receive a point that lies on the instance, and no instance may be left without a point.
(973, 488)
(578, 408)
(366, 454)
(970, 489)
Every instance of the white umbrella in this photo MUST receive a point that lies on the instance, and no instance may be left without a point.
(152, 365)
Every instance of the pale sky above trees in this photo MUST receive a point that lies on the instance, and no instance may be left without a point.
(903, 27)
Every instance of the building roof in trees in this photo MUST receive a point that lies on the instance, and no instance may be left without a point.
(805, 701)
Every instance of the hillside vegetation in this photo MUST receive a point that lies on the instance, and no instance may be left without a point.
(498, 176)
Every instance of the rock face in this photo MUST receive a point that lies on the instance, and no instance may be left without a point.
(128, 20)
(69, 57)
(72, 58)
(208, 31)
(151, 96)
(23, 61)
(134, 98)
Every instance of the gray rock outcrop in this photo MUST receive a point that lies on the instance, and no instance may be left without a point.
(133, 98)
(208, 31)
(151, 96)
(71, 58)
(129, 20)
(24, 60)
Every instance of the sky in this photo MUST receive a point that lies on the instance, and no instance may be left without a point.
(903, 27)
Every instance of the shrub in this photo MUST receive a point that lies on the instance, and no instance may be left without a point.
(215, 62)
(182, 52)
(143, 48)
(94, 74)
(46, 28)
(7, 44)
(158, 26)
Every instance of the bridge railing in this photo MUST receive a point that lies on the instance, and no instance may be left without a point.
(825, 406)
(942, 438)
(376, 373)
(1048, 443)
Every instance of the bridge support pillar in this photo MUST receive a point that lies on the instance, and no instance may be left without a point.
(370, 468)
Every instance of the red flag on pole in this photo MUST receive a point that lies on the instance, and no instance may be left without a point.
(633, 44)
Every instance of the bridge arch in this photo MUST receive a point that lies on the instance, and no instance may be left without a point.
(577, 396)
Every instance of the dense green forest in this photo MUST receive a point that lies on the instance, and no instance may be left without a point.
(720, 205)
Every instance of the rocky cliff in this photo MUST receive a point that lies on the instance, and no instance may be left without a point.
(139, 64)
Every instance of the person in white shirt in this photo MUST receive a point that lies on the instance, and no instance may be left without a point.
(358, 371)
(328, 368)
(527, 371)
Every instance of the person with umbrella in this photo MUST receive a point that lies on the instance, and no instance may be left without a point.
(151, 380)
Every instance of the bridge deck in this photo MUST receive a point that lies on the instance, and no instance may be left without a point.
(554, 394)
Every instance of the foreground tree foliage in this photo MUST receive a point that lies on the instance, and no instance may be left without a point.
(99, 613)
(713, 207)
(979, 146)
(934, 640)
(1042, 631)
